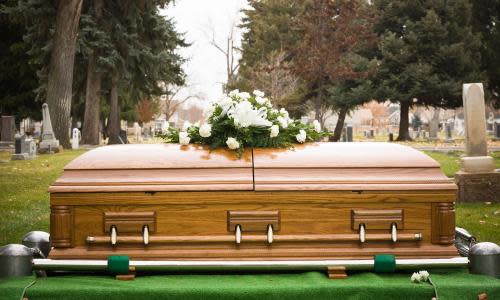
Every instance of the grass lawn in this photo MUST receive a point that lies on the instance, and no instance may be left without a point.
(24, 201)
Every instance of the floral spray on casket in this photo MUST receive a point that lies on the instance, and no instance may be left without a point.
(241, 120)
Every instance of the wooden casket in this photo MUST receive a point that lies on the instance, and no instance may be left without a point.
(317, 201)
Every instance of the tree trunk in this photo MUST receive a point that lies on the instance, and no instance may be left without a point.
(60, 79)
(90, 132)
(340, 125)
(114, 112)
(404, 122)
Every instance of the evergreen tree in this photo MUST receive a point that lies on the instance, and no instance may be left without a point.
(427, 50)
(18, 79)
(486, 21)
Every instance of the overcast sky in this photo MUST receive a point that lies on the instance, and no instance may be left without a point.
(206, 68)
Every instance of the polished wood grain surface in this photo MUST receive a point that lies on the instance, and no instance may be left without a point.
(158, 156)
(342, 155)
(315, 167)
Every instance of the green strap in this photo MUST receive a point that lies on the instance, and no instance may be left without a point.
(118, 264)
(384, 263)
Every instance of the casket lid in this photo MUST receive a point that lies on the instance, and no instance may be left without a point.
(347, 166)
(156, 167)
(317, 166)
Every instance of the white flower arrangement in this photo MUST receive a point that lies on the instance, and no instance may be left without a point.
(240, 120)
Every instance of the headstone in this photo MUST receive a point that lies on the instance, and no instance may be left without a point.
(8, 130)
(25, 148)
(138, 132)
(49, 142)
(496, 128)
(391, 137)
(344, 134)
(372, 133)
(75, 139)
(449, 135)
(477, 180)
(349, 133)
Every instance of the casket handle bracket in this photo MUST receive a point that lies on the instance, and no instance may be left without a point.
(113, 235)
(362, 233)
(394, 232)
(237, 234)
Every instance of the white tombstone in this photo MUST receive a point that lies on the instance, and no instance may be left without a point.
(476, 150)
(75, 139)
(138, 132)
(49, 141)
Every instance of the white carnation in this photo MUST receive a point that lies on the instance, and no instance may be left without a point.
(258, 93)
(283, 122)
(184, 138)
(234, 93)
(416, 278)
(275, 130)
(301, 137)
(186, 126)
(424, 275)
(205, 130)
(261, 100)
(317, 126)
(232, 143)
(244, 95)
(244, 115)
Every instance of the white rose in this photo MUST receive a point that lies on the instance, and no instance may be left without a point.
(275, 130)
(415, 277)
(184, 138)
(283, 122)
(186, 126)
(424, 275)
(232, 143)
(284, 113)
(317, 126)
(258, 93)
(244, 95)
(205, 130)
(234, 93)
(301, 137)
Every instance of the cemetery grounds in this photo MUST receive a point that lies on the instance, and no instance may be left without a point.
(24, 200)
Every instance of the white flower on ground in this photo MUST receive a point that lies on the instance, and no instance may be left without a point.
(284, 113)
(283, 122)
(301, 137)
(186, 126)
(244, 95)
(424, 275)
(275, 130)
(205, 130)
(416, 278)
(232, 143)
(184, 138)
(258, 93)
(317, 126)
(234, 93)
(245, 115)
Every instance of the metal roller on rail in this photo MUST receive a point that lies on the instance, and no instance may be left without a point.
(22, 260)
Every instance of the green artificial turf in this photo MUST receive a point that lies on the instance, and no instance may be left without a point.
(450, 284)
